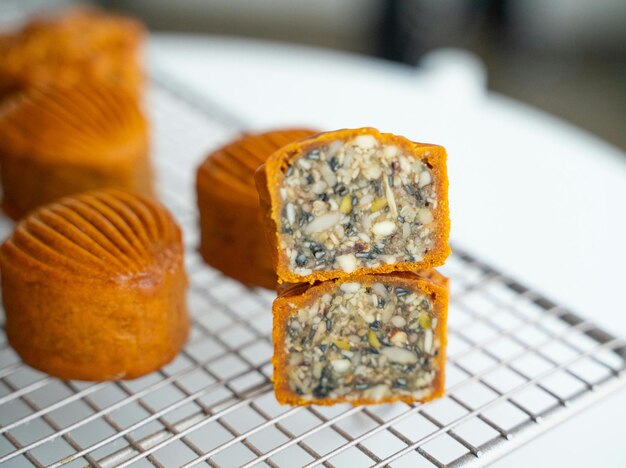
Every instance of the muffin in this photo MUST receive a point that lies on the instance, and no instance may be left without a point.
(77, 45)
(94, 287)
(232, 238)
(65, 140)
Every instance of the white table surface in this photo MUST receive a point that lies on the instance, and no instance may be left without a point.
(532, 195)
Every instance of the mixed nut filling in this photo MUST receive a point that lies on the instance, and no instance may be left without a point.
(356, 204)
(363, 342)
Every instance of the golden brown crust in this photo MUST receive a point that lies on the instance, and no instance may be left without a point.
(77, 45)
(232, 235)
(302, 294)
(94, 287)
(56, 142)
(269, 179)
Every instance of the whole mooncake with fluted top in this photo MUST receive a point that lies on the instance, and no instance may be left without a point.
(61, 141)
(94, 287)
(232, 236)
(82, 44)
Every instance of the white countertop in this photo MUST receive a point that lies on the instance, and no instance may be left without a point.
(530, 194)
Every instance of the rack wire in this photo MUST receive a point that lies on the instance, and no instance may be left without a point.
(518, 364)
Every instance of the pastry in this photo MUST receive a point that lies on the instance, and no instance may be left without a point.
(355, 201)
(364, 339)
(75, 46)
(232, 236)
(94, 287)
(60, 141)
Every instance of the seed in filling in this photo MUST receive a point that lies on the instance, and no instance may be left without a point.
(356, 204)
(363, 341)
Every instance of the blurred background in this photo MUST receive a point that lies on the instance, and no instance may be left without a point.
(567, 57)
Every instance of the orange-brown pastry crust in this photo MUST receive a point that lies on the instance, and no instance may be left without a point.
(78, 45)
(295, 297)
(232, 236)
(56, 142)
(269, 180)
(94, 287)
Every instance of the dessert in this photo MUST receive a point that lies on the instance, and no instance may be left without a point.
(364, 339)
(355, 201)
(75, 46)
(232, 235)
(66, 140)
(94, 287)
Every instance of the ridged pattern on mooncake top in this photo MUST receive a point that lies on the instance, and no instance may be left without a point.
(234, 165)
(92, 121)
(106, 234)
(66, 48)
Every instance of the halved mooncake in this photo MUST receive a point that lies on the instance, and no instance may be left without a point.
(61, 141)
(94, 287)
(232, 235)
(79, 45)
(364, 339)
(355, 201)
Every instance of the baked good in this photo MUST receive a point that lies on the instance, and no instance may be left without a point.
(232, 236)
(84, 44)
(94, 287)
(355, 201)
(364, 339)
(60, 141)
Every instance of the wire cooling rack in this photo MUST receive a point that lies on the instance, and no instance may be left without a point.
(518, 364)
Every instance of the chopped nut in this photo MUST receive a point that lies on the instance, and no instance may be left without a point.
(347, 262)
(346, 204)
(384, 228)
(373, 339)
(378, 204)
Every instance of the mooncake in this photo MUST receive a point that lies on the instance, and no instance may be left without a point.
(56, 142)
(78, 45)
(355, 201)
(365, 339)
(232, 235)
(94, 287)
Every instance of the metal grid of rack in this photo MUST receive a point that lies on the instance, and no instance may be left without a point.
(518, 364)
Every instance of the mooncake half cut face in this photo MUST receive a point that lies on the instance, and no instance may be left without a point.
(356, 201)
(369, 339)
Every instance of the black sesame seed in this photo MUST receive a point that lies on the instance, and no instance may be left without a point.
(373, 350)
(323, 197)
(401, 219)
(309, 179)
(408, 189)
(381, 303)
(329, 324)
(305, 218)
(401, 292)
(323, 347)
(312, 333)
(375, 325)
(301, 259)
(299, 391)
(286, 230)
(367, 255)
(425, 304)
(378, 188)
(333, 163)
(341, 189)
(354, 200)
(313, 154)
(400, 383)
